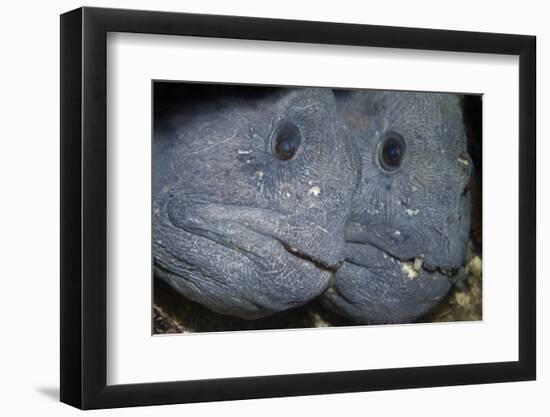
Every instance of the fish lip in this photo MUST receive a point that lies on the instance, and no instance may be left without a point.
(331, 268)
(290, 250)
(193, 226)
(449, 272)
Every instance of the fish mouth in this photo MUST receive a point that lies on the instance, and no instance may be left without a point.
(417, 264)
(401, 246)
(247, 230)
(369, 256)
(318, 264)
(375, 287)
(205, 231)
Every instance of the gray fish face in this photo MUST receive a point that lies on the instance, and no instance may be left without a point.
(411, 213)
(251, 198)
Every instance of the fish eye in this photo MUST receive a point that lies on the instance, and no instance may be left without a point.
(391, 150)
(285, 141)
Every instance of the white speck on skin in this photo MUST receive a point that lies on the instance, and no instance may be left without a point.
(243, 152)
(408, 270)
(411, 212)
(397, 233)
(259, 174)
(463, 161)
(414, 188)
(287, 195)
(322, 228)
(314, 191)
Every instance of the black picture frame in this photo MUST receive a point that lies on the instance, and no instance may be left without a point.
(84, 207)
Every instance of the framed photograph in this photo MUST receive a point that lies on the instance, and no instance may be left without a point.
(257, 208)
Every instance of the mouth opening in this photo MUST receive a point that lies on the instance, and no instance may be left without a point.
(219, 238)
(449, 272)
(413, 266)
(295, 252)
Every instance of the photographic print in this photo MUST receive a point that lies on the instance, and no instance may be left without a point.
(305, 202)
(296, 207)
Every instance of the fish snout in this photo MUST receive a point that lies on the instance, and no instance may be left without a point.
(321, 243)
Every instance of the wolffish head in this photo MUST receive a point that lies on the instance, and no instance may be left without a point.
(251, 197)
(410, 216)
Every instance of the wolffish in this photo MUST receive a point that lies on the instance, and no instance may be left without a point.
(410, 217)
(250, 199)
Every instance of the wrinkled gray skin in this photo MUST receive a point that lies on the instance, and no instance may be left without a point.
(235, 228)
(408, 229)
